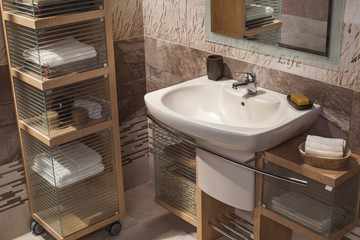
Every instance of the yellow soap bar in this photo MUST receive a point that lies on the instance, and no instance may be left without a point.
(299, 99)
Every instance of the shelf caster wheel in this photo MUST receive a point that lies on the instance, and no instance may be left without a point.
(36, 228)
(114, 228)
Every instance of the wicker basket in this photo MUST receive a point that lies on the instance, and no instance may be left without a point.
(177, 189)
(324, 162)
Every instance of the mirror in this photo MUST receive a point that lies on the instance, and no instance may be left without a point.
(306, 29)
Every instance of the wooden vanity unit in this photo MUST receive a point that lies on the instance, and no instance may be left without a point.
(341, 185)
(326, 207)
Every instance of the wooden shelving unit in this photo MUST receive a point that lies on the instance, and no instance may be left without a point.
(271, 223)
(94, 201)
(228, 18)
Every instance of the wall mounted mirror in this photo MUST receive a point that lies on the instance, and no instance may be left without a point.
(307, 30)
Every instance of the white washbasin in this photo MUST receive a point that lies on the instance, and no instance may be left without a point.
(214, 112)
(231, 123)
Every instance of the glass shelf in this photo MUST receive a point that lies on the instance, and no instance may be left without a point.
(72, 185)
(65, 109)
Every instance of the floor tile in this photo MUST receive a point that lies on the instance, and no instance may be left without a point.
(168, 225)
(140, 203)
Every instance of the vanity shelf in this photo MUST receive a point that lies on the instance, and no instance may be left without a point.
(61, 61)
(176, 184)
(175, 173)
(333, 195)
(229, 18)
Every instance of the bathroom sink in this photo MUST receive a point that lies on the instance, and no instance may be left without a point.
(214, 112)
(231, 123)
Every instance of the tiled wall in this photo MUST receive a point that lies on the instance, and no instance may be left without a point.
(131, 88)
(175, 51)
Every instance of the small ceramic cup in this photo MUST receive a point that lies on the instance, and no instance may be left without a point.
(215, 67)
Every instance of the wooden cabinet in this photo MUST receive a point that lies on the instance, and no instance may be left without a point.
(176, 182)
(331, 197)
(228, 17)
(61, 61)
(326, 208)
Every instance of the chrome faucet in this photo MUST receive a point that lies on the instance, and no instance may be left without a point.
(249, 82)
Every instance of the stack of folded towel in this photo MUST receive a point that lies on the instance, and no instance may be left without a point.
(325, 147)
(308, 211)
(64, 51)
(67, 164)
(94, 109)
(254, 12)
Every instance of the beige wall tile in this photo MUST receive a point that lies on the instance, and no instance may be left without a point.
(3, 59)
(165, 19)
(127, 19)
(352, 11)
(349, 56)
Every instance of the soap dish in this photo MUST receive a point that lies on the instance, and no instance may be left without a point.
(324, 162)
(299, 107)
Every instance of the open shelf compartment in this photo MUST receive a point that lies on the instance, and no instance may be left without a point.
(56, 51)
(321, 208)
(175, 170)
(46, 8)
(65, 109)
(72, 185)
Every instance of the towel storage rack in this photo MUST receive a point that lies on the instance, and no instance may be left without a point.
(61, 61)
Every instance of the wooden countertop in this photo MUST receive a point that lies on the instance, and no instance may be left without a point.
(287, 155)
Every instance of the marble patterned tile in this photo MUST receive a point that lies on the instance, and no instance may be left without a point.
(354, 140)
(9, 144)
(5, 85)
(130, 78)
(127, 19)
(3, 58)
(352, 12)
(129, 60)
(349, 56)
(306, 8)
(131, 102)
(153, 85)
(165, 19)
(10, 116)
(170, 63)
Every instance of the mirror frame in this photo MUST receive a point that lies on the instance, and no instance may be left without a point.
(330, 62)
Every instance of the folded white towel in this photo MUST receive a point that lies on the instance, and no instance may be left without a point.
(254, 11)
(67, 50)
(325, 147)
(94, 109)
(327, 141)
(324, 153)
(68, 163)
(308, 211)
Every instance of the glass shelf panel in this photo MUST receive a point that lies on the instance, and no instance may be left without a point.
(56, 51)
(73, 185)
(47, 8)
